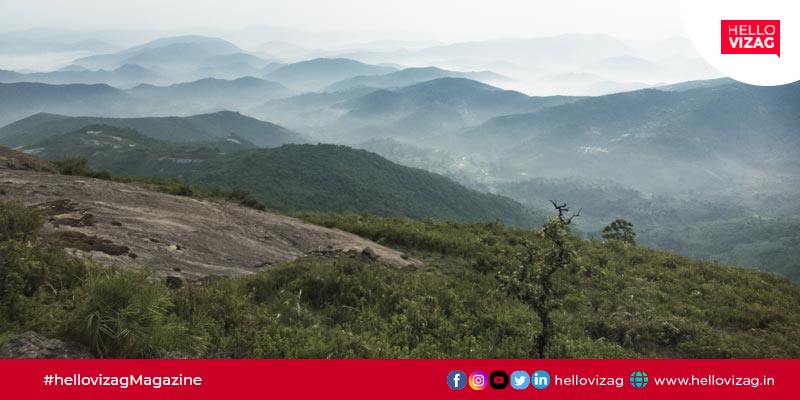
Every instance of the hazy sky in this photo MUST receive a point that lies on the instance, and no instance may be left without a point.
(446, 20)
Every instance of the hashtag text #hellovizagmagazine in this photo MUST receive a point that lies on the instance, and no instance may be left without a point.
(123, 382)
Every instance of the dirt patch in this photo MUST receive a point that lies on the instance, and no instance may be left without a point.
(58, 207)
(83, 221)
(80, 241)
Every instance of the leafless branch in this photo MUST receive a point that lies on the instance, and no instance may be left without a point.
(563, 210)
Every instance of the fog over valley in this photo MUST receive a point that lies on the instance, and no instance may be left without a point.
(454, 140)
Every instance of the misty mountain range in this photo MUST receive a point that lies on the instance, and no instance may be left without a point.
(639, 132)
(409, 76)
(124, 75)
(546, 65)
(197, 128)
(731, 134)
(310, 178)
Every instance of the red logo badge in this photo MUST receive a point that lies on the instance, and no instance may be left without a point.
(751, 37)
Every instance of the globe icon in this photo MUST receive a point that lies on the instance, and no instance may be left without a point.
(638, 379)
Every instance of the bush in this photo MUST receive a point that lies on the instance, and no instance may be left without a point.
(73, 166)
(617, 301)
(79, 166)
(352, 308)
(123, 314)
(246, 199)
(18, 222)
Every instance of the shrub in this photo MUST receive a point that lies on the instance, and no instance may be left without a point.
(616, 301)
(18, 222)
(123, 314)
(246, 199)
(73, 166)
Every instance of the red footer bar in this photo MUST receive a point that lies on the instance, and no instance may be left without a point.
(400, 379)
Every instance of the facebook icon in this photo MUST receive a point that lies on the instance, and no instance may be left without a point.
(457, 380)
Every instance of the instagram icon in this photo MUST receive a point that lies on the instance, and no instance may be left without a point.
(478, 380)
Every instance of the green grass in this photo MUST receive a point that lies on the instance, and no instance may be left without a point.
(6, 336)
(614, 300)
(22, 224)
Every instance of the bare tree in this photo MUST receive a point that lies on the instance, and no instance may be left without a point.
(563, 210)
(557, 258)
(532, 280)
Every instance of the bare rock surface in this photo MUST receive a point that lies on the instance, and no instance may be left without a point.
(11, 159)
(34, 345)
(128, 226)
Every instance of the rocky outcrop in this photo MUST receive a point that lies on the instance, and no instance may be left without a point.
(129, 226)
(11, 159)
(34, 345)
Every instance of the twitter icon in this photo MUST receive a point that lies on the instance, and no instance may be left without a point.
(520, 380)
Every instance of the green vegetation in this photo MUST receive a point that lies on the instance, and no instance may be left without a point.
(80, 167)
(620, 229)
(310, 308)
(22, 224)
(338, 178)
(610, 300)
(766, 243)
(762, 233)
(531, 281)
(193, 129)
(289, 178)
(619, 300)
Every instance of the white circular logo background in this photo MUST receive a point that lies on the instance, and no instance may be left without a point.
(702, 19)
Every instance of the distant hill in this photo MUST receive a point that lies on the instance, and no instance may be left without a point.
(291, 177)
(27, 42)
(124, 75)
(654, 140)
(677, 87)
(320, 72)
(210, 44)
(307, 111)
(421, 111)
(19, 100)
(556, 51)
(410, 76)
(125, 149)
(436, 107)
(464, 96)
(171, 52)
(196, 128)
(231, 66)
(626, 69)
(722, 228)
(183, 58)
(210, 92)
(471, 171)
(283, 49)
(338, 178)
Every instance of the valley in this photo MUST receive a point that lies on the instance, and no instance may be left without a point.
(396, 199)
